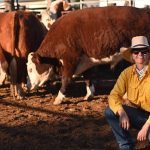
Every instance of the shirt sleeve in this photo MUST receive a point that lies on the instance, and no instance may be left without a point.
(117, 93)
(148, 119)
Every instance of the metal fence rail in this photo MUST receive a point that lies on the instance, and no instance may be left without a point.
(40, 5)
(30, 5)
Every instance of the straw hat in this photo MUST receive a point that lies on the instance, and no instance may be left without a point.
(137, 42)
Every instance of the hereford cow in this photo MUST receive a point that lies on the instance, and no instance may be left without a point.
(85, 38)
(49, 16)
(20, 33)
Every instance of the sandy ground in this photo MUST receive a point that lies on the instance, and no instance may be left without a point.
(36, 124)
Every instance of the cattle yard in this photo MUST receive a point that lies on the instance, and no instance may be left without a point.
(35, 123)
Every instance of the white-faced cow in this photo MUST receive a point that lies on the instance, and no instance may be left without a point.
(49, 16)
(85, 38)
(20, 33)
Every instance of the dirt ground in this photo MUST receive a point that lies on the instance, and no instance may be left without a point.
(34, 123)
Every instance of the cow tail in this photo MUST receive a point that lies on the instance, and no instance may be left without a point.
(15, 34)
(13, 63)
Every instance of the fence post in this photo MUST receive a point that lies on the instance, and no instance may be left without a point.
(81, 4)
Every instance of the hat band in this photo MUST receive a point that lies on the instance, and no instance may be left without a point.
(140, 45)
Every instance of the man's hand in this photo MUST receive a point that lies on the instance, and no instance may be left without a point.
(142, 135)
(123, 119)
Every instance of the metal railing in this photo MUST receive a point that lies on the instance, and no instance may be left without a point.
(33, 5)
(40, 5)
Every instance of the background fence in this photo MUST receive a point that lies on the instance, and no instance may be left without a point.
(39, 5)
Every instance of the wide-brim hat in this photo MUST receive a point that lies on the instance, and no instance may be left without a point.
(138, 42)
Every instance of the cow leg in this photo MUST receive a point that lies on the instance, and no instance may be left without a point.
(13, 76)
(3, 67)
(16, 89)
(90, 90)
(20, 92)
(3, 74)
(12, 90)
(21, 77)
(67, 73)
(61, 94)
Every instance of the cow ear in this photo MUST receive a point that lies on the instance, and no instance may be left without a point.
(36, 58)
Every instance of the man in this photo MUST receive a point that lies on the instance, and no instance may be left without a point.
(135, 82)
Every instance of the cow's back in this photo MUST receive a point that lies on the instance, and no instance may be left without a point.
(99, 32)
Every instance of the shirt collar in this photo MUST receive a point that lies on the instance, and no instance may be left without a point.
(147, 69)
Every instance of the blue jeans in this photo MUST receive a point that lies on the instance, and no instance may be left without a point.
(137, 119)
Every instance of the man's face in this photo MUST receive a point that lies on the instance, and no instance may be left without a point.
(140, 56)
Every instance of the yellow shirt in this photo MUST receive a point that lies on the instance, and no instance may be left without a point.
(138, 91)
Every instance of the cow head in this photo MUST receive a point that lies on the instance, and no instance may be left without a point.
(38, 73)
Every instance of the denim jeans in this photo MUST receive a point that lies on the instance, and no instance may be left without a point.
(137, 119)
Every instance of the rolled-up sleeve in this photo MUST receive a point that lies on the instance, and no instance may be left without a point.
(148, 120)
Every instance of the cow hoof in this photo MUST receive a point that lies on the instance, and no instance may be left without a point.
(20, 97)
(59, 98)
(57, 101)
(89, 97)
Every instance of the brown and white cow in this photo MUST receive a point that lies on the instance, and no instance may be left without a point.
(49, 16)
(20, 33)
(85, 38)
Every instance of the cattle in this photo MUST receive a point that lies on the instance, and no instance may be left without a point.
(49, 16)
(20, 33)
(85, 38)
